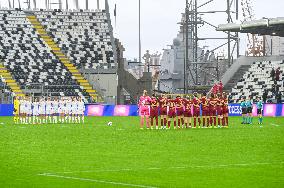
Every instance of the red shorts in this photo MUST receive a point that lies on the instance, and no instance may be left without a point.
(172, 113)
(179, 111)
(187, 113)
(219, 111)
(196, 112)
(205, 111)
(163, 111)
(225, 110)
(212, 111)
(154, 112)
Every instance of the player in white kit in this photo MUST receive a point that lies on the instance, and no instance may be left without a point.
(36, 111)
(42, 110)
(55, 110)
(61, 108)
(48, 111)
(22, 110)
(29, 110)
(81, 110)
(74, 110)
(68, 110)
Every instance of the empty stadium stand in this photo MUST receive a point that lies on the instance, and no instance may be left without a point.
(53, 48)
(258, 80)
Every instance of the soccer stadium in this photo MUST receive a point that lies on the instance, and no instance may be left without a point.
(150, 94)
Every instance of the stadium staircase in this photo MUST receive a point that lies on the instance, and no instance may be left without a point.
(10, 81)
(62, 57)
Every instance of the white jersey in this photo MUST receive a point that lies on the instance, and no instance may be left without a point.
(22, 106)
(74, 107)
(68, 107)
(42, 107)
(36, 108)
(61, 107)
(81, 107)
(29, 107)
(48, 107)
(55, 107)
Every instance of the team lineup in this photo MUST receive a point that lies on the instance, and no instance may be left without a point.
(206, 112)
(48, 110)
(180, 111)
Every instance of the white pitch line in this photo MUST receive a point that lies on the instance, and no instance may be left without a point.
(155, 168)
(97, 181)
(274, 124)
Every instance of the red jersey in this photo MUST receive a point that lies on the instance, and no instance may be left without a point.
(220, 102)
(154, 102)
(179, 103)
(187, 104)
(171, 103)
(204, 102)
(163, 102)
(212, 103)
(196, 102)
(226, 103)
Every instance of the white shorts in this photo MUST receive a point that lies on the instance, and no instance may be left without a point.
(35, 113)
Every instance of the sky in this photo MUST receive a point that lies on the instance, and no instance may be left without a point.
(159, 21)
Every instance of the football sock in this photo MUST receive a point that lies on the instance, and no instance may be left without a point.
(218, 120)
(214, 118)
(169, 124)
(162, 122)
(157, 122)
(227, 120)
(182, 121)
(199, 121)
(203, 122)
(178, 122)
(208, 121)
(152, 120)
(83, 119)
(175, 123)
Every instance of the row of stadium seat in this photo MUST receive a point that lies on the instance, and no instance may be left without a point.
(84, 37)
(257, 79)
(30, 60)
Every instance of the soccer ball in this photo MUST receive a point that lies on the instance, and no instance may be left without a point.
(109, 123)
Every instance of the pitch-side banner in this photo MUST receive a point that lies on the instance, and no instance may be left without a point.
(132, 110)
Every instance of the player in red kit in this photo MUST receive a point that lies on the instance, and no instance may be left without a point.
(187, 111)
(205, 110)
(219, 108)
(225, 110)
(154, 111)
(212, 109)
(179, 110)
(196, 109)
(171, 112)
(163, 101)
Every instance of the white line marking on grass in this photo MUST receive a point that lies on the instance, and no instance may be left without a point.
(156, 168)
(97, 181)
(274, 124)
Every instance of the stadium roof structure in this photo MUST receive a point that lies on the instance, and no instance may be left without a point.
(264, 26)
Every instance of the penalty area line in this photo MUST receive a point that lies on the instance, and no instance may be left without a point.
(94, 180)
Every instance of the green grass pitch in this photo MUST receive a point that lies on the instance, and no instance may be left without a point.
(96, 155)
